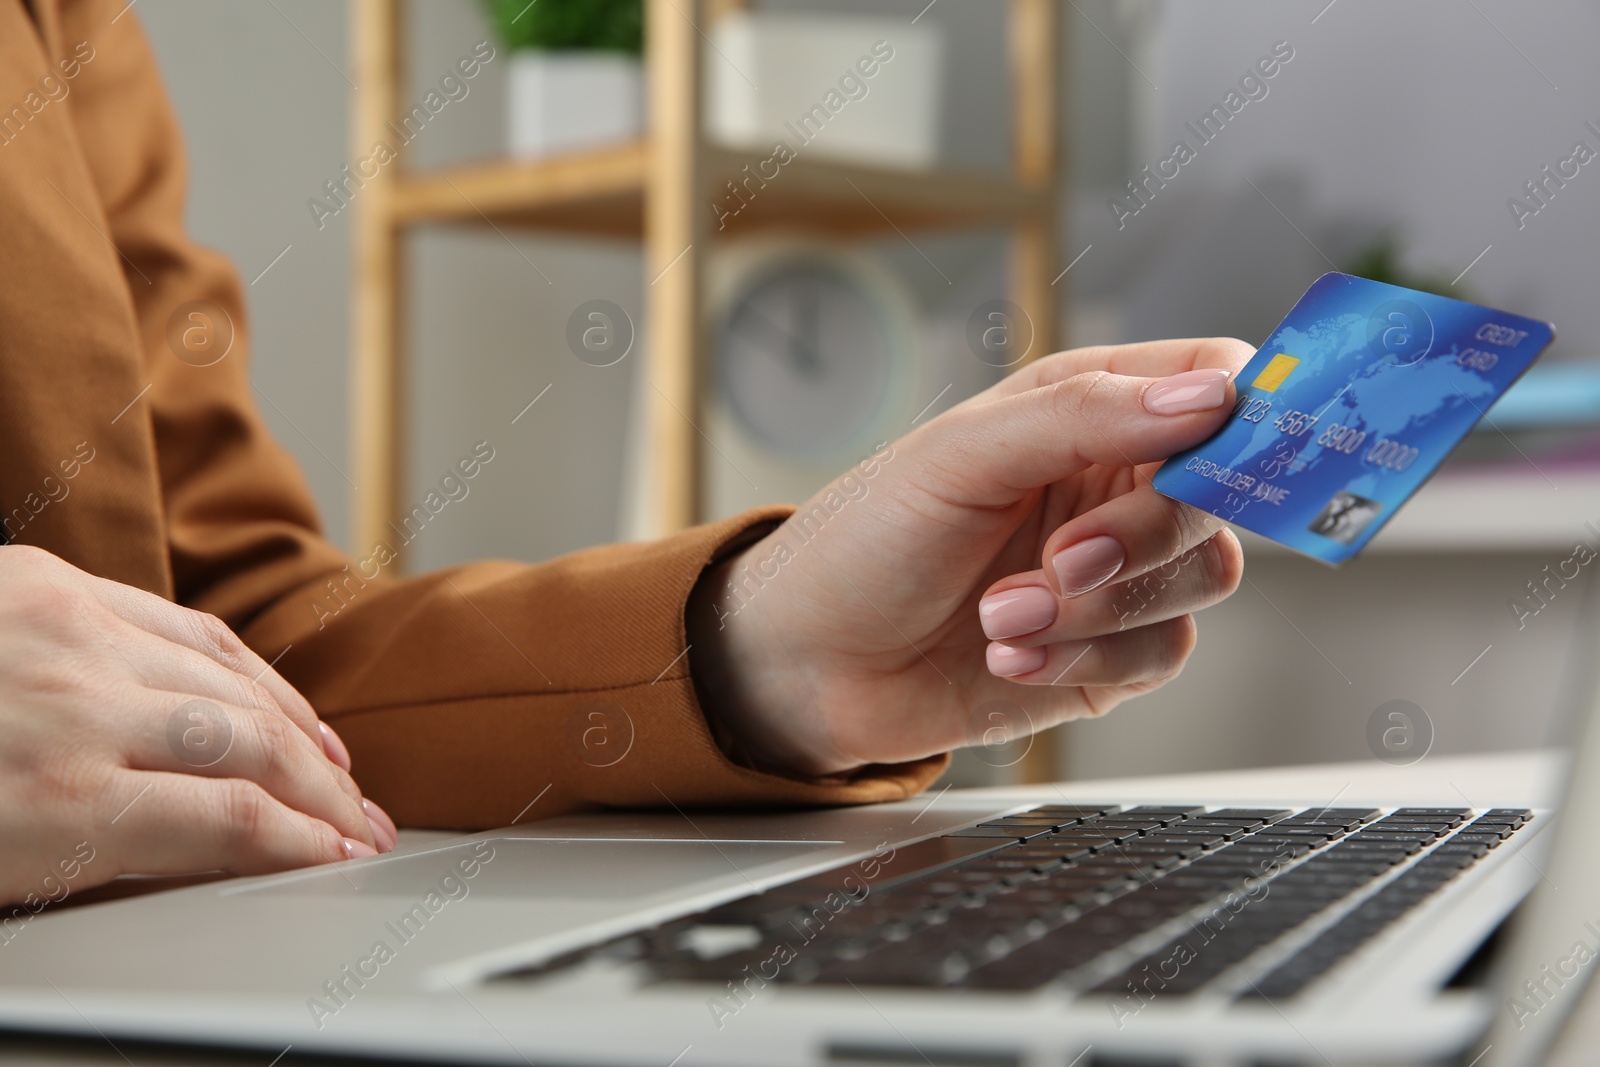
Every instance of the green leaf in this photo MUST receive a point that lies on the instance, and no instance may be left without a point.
(568, 25)
(1380, 260)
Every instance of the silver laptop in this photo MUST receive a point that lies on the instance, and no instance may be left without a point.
(1332, 915)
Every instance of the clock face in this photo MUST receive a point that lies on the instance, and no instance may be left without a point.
(804, 359)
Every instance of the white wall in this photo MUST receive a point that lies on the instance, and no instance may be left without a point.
(264, 118)
(1426, 116)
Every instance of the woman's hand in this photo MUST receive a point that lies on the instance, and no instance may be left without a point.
(139, 736)
(1010, 549)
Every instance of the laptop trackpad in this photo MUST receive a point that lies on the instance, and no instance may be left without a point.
(547, 868)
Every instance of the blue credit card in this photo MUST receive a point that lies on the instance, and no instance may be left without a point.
(1352, 404)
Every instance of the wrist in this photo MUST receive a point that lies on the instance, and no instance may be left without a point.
(756, 701)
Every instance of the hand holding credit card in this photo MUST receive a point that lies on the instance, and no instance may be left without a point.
(1351, 405)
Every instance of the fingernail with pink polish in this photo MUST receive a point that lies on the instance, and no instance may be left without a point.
(354, 850)
(1015, 612)
(1193, 390)
(334, 747)
(1007, 662)
(1088, 564)
(383, 828)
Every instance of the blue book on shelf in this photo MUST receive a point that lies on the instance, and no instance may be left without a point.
(1549, 396)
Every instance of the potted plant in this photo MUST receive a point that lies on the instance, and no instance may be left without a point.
(577, 78)
(836, 84)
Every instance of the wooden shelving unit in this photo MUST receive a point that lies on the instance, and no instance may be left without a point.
(602, 193)
(659, 191)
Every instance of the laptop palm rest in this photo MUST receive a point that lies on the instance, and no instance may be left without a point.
(542, 869)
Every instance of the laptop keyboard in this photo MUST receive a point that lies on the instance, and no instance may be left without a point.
(1094, 897)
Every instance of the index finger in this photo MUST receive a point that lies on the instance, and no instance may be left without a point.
(1141, 359)
(991, 453)
(207, 635)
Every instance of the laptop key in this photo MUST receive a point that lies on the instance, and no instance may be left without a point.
(1201, 837)
(1247, 814)
(1398, 830)
(1174, 846)
(1455, 816)
(1358, 815)
(1325, 824)
(1385, 855)
(1407, 826)
(1283, 843)
(1437, 860)
(1281, 851)
(1317, 833)
(1230, 830)
(1084, 811)
(1105, 835)
(1021, 826)
(1486, 831)
(1036, 850)
(1381, 844)
(1120, 823)
(1155, 861)
(1166, 816)
(1000, 833)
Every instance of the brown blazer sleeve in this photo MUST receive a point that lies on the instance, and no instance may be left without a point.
(464, 694)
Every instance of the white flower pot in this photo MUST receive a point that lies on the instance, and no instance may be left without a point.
(564, 101)
(846, 87)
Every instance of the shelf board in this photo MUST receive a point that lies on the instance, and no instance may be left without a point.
(1493, 510)
(601, 193)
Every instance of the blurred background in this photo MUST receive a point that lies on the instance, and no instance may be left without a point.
(1423, 143)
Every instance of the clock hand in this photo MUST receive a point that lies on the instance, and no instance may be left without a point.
(777, 332)
(805, 353)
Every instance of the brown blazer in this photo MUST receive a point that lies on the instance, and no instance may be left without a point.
(462, 694)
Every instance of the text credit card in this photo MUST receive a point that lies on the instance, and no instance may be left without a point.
(1353, 402)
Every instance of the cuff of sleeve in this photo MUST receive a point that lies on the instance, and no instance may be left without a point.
(733, 778)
